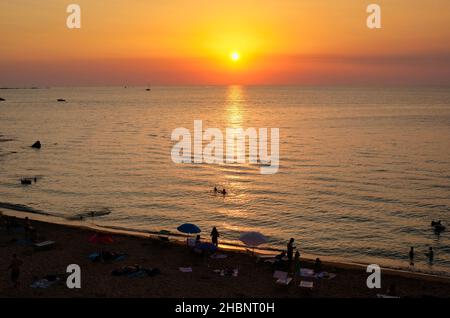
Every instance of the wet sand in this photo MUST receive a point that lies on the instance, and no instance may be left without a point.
(254, 279)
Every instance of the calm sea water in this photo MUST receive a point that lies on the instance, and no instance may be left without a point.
(362, 171)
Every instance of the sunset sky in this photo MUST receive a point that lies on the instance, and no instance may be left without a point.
(179, 42)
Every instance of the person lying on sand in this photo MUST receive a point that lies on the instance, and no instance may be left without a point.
(131, 270)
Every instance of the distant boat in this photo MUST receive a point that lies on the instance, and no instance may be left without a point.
(26, 181)
(60, 100)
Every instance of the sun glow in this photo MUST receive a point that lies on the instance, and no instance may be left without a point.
(235, 56)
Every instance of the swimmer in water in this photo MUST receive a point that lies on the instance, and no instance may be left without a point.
(430, 255)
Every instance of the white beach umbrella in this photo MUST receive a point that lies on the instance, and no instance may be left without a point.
(252, 239)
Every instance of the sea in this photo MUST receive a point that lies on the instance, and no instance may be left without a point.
(362, 170)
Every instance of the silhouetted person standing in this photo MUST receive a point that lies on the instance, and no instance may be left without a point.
(290, 250)
(215, 236)
(411, 256)
(296, 269)
(15, 270)
(430, 255)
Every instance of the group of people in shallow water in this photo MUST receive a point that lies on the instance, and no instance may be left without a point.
(223, 191)
(429, 255)
(438, 227)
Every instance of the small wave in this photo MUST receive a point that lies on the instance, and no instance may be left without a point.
(91, 213)
(22, 208)
(6, 139)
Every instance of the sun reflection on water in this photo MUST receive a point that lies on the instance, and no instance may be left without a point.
(235, 105)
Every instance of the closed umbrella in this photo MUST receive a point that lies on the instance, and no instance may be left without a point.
(101, 239)
(252, 239)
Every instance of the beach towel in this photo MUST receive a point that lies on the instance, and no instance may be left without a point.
(306, 284)
(136, 271)
(282, 278)
(306, 272)
(44, 245)
(185, 269)
(325, 275)
(280, 275)
(218, 256)
(386, 296)
(45, 282)
(107, 256)
(229, 272)
(284, 281)
(24, 242)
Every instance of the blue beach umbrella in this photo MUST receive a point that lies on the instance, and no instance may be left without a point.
(189, 228)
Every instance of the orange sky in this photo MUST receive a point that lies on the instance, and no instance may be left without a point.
(136, 42)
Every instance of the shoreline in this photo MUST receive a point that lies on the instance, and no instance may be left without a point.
(254, 279)
(228, 245)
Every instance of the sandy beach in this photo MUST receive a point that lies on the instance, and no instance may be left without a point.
(254, 278)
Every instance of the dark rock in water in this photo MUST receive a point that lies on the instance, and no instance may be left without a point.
(37, 145)
(60, 100)
(25, 181)
(2, 99)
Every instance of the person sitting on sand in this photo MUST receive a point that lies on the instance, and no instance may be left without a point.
(411, 256)
(215, 236)
(279, 261)
(215, 190)
(317, 265)
(430, 255)
(224, 192)
(15, 270)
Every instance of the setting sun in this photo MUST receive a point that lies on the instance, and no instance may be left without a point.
(235, 56)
